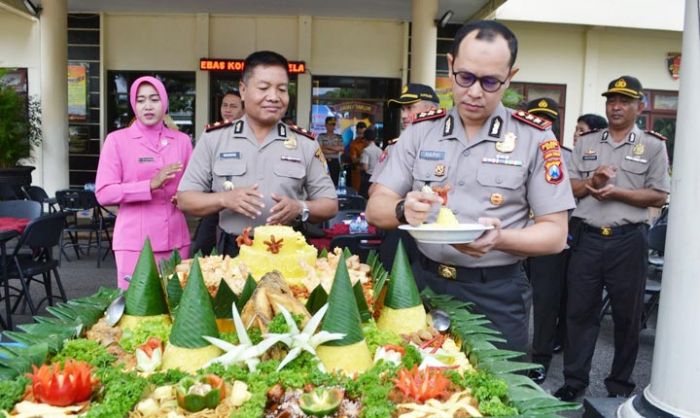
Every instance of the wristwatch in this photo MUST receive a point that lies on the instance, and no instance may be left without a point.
(304, 211)
(400, 211)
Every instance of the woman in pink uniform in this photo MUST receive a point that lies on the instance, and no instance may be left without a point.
(139, 170)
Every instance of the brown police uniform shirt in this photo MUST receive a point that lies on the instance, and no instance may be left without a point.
(642, 163)
(503, 181)
(287, 163)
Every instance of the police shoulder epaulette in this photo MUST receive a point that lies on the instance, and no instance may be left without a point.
(218, 125)
(532, 120)
(302, 131)
(656, 134)
(430, 115)
(592, 131)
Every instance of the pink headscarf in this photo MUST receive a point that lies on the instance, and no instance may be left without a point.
(157, 84)
(152, 133)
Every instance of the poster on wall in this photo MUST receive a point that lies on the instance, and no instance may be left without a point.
(673, 63)
(443, 88)
(77, 92)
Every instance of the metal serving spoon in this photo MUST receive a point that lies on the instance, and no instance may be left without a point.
(440, 319)
(115, 310)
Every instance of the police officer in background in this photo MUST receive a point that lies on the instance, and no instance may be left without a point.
(258, 170)
(617, 174)
(548, 274)
(415, 99)
(500, 164)
(205, 235)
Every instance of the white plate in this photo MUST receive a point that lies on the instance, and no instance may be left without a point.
(446, 234)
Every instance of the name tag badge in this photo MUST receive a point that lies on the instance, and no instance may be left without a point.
(292, 159)
(590, 157)
(233, 155)
(636, 159)
(146, 160)
(432, 155)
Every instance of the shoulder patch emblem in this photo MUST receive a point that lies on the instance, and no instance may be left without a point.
(433, 114)
(303, 132)
(532, 120)
(656, 134)
(218, 125)
(551, 154)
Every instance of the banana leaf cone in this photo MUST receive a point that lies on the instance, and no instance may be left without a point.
(186, 349)
(351, 353)
(403, 311)
(222, 307)
(145, 296)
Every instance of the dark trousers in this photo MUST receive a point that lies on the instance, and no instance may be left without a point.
(387, 249)
(334, 171)
(205, 235)
(364, 184)
(618, 264)
(502, 293)
(548, 279)
(226, 245)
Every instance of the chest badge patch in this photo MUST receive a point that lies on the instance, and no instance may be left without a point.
(146, 160)
(496, 199)
(440, 170)
(291, 142)
(638, 149)
(508, 143)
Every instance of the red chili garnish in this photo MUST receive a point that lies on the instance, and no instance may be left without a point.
(442, 192)
(65, 387)
(274, 245)
(421, 385)
(149, 346)
(394, 347)
(244, 238)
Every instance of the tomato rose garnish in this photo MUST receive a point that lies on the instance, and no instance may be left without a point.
(62, 387)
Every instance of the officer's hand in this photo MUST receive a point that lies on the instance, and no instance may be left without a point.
(605, 193)
(164, 174)
(245, 200)
(486, 242)
(602, 175)
(418, 206)
(285, 211)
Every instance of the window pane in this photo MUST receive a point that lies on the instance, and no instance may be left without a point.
(666, 101)
(666, 126)
(535, 92)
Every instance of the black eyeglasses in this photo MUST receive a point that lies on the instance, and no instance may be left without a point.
(488, 83)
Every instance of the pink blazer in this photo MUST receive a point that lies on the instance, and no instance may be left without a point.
(127, 164)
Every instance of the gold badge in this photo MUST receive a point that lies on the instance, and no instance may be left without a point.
(605, 231)
(508, 143)
(228, 185)
(621, 83)
(496, 199)
(638, 149)
(291, 142)
(447, 272)
(542, 104)
(440, 170)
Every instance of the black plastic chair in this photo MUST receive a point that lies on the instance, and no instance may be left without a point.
(38, 194)
(20, 209)
(355, 202)
(360, 244)
(40, 237)
(72, 202)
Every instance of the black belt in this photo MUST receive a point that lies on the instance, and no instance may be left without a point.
(470, 274)
(611, 231)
